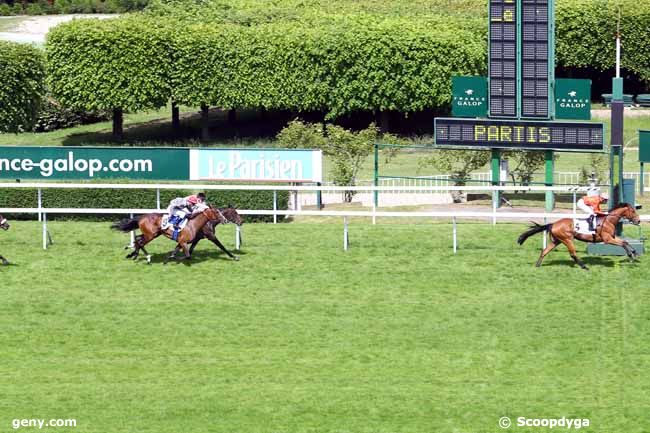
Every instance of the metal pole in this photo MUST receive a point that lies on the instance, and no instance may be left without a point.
(132, 244)
(641, 180)
(494, 207)
(575, 203)
(40, 203)
(374, 211)
(158, 198)
(549, 163)
(346, 240)
(237, 237)
(319, 197)
(453, 219)
(376, 178)
(275, 207)
(496, 176)
(44, 231)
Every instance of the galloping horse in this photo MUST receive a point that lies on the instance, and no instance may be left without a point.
(4, 225)
(209, 230)
(150, 226)
(562, 231)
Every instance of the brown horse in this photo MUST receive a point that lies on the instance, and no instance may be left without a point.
(562, 231)
(150, 226)
(209, 230)
(4, 225)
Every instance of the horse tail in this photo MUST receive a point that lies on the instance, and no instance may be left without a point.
(126, 225)
(533, 230)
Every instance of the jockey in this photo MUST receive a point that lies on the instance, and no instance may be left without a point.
(187, 205)
(590, 204)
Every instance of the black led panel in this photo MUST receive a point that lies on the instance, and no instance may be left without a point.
(503, 58)
(535, 47)
(520, 134)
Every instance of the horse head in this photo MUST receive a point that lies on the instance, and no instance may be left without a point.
(215, 215)
(627, 211)
(4, 224)
(232, 215)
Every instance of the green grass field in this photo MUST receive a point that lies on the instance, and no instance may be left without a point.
(396, 335)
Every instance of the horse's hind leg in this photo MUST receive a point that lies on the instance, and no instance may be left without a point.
(4, 261)
(574, 256)
(172, 254)
(148, 255)
(550, 247)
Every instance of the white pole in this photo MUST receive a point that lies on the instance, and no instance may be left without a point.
(132, 244)
(575, 208)
(44, 231)
(545, 235)
(494, 208)
(275, 207)
(40, 203)
(346, 241)
(158, 198)
(237, 238)
(455, 235)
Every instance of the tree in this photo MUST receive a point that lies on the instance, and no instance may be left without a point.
(347, 150)
(459, 163)
(526, 163)
(21, 86)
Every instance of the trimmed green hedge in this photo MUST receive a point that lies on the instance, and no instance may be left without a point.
(21, 86)
(338, 56)
(586, 30)
(140, 198)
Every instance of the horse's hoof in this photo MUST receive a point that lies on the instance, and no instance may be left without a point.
(236, 258)
(5, 262)
(149, 259)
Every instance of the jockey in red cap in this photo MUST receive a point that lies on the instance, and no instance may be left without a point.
(187, 205)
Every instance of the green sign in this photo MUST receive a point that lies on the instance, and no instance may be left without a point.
(644, 146)
(469, 96)
(86, 163)
(573, 99)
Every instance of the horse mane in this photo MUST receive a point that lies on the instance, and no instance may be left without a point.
(621, 205)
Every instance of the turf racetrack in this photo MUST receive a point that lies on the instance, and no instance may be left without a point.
(396, 335)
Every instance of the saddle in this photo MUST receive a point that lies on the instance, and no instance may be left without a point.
(583, 226)
(176, 222)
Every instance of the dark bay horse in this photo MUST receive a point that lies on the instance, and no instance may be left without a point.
(150, 227)
(563, 232)
(4, 225)
(209, 230)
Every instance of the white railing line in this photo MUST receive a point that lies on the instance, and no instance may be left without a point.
(429, 214)
(291, 188)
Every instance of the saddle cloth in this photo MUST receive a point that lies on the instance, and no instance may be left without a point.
(166, 223)
(582, 225)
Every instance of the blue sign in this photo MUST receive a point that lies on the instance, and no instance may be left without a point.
(259, 165)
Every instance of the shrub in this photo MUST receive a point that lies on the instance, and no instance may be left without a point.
(21, 86)
(119, 198)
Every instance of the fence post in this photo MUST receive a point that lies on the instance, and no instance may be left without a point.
(44, 231)
(495, 197)
(374, 210)
(453, 219)
(319, 197)
(641, 180)
(575, 202)
(346, 239)
(40, 203)
(132, 244)
(158, 198)
(275, 207)
(545, 235)
(237, 238)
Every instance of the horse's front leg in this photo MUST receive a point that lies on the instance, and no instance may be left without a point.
(629, 250)
(172, 254)
(220, 245)
(4, 261)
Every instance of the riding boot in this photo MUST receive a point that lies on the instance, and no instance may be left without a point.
(590, 220)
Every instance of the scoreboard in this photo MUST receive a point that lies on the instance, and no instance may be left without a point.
(519, 134)
(537, 70)
(521, 63)
(502, 64)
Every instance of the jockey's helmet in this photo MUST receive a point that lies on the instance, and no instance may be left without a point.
(192, 199)
(604, 196)
(593, 192)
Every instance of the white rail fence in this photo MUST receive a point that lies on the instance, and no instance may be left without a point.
(494, 215)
